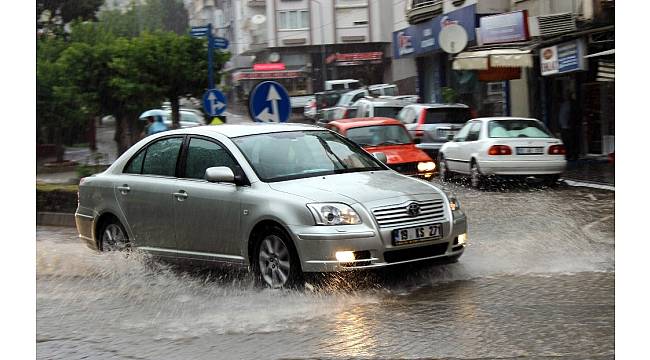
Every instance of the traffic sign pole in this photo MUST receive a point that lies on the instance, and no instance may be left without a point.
(210, 49)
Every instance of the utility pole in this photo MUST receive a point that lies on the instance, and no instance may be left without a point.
(322, 43)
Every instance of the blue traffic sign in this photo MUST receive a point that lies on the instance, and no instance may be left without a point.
(214, 102)
(269, 102)
(199, 31)
(220, 43)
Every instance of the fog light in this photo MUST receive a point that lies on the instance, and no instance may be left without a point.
(462, 239)
(344, 256)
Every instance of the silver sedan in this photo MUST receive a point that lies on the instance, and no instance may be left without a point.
(281, 199)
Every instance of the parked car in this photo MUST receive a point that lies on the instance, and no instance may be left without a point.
(189, 118)
(389, 137)
(309, 111)
(344, 108)
(280, 199)
(325, 100)
(434, 124)
(505, 146)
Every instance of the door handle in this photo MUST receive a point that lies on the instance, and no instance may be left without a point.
(124, 189)
(181, 195)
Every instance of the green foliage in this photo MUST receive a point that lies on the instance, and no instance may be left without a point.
(449, 95)
(52, 15)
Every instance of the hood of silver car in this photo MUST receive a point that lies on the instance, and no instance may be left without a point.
(362, 187)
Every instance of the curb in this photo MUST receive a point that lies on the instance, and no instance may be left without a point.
(589, 185)
(55, 219)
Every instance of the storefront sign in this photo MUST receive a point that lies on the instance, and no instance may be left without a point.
(422, 38)
(269, 67)
(237, 76)
(504, 28)
(355, 57)
(563, 58)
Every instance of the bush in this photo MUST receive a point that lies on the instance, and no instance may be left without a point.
(56, 198)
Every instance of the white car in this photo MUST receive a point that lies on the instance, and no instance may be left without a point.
(505, 146)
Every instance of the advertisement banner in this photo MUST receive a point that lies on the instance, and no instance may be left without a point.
(563, 58)
(422, 38)
(504, 28)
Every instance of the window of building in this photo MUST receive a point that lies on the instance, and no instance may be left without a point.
(293, 19)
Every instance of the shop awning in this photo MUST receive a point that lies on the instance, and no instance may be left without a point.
(602, 53)
(484, 59)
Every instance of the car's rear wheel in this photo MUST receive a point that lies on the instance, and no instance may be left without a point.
(476, 178)
(114, 237)
(276, 262)
(443, 169)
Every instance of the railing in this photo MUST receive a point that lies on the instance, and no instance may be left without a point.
(422, 10)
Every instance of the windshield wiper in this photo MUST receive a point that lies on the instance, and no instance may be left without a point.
(329, 150)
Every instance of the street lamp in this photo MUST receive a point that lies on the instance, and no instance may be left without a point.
(322, 42)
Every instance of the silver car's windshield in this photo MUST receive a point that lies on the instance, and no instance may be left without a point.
(299, 154)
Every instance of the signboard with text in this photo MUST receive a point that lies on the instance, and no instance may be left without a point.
(504, 28)
(563, 58)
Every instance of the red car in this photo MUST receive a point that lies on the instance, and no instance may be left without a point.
(388, 136)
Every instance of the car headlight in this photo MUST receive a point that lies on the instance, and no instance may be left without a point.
(454, 203)
(334, 214)
(427, 166)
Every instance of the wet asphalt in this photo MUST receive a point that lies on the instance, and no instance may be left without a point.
(536, 282)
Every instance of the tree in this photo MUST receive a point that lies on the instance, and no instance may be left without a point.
(52, 15)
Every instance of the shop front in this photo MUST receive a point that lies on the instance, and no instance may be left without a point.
(296, 81)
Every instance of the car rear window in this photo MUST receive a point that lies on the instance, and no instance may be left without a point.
(447, 115)
(517, 129)
(387, 111)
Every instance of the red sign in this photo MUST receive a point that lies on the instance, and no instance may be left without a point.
(269, 67)
(267, 75)
(367, 56)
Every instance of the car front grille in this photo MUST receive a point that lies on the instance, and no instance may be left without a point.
(415, 253)
(398, 215)
(405, 168)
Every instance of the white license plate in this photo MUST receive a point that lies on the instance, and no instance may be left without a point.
(417, 234)
(530, 150)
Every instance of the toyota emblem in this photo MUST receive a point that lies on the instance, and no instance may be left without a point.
(413, 209)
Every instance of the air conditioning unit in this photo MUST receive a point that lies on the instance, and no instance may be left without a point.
(556, 24)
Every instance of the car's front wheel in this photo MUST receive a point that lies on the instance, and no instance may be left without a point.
(477, 179)
(443, 169)
(276, 262)
(114, 237)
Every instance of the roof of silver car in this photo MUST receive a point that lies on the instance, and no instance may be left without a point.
(235, 130)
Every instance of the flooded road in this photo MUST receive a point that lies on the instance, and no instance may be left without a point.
(537, 281)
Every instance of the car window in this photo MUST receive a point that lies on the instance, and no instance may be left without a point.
(462, 134)
(379, 135)
(161, 157)
(190, 117)
(407, 115)
(447, 115)
(203, 154)
(135, 164)
(474, 132)
(387, 111)
(358, 96)
(390, 91)
(517, 128)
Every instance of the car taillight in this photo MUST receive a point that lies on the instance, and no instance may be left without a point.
(418, 128)
(499, 150)
(556, 150)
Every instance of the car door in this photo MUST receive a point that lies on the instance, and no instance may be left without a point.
(470, 145)
(207, 215)
(407, 117)
(454, 150)
(145, 194)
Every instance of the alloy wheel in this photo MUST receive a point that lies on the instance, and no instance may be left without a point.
(274, 261)
(114, 238)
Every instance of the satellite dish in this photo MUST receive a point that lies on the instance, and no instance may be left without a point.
(452, 38)
(258, 19)
(274, 57)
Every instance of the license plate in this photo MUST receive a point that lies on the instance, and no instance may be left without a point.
(530, 150)
(417, 234)
(445, 133)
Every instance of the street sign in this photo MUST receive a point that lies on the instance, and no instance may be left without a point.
(269, 102)
(199, 31)
(214, 102)
(220, 43)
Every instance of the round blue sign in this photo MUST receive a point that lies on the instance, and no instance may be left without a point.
(214, 102)
(269, 102)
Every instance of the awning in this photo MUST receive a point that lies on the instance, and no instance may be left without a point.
(602, 53)
(484, 59)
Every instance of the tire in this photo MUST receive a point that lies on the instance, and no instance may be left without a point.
(443, 169)
(477, 179)
(275, 261)
(551, 180)
(113, 237)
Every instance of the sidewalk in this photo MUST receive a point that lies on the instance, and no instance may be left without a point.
(591, 171)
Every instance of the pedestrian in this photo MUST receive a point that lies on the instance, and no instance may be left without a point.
(564, 120)
(156, 125)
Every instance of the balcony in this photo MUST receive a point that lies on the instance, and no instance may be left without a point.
(418, 11)
(257, 3)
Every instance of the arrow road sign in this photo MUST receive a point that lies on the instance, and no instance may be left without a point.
(214, 102)
(269, 102)
(220, 43)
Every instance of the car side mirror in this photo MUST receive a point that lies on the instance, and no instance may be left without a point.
(417, 141)
(219, 174)
(380, 156)
(450, 137)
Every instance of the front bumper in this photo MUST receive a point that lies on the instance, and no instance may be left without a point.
(522, 167)
(317, 246)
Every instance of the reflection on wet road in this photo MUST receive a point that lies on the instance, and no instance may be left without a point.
(537, 281)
